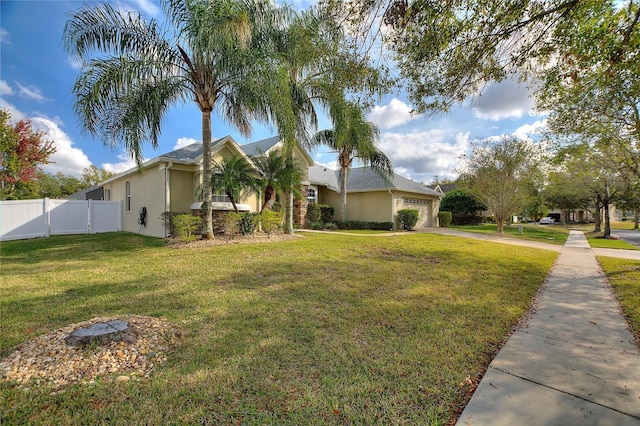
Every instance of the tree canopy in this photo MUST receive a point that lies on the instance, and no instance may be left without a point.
(502, 174)
(22, 152)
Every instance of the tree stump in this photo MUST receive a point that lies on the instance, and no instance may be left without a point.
(102, 333)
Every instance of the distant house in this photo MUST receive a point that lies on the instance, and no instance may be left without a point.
(374, 197)
(444, 187)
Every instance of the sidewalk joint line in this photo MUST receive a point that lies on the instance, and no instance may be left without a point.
(564, 392)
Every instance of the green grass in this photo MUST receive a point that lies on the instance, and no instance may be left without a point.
(624, 276)
(531, 232)
(596, 241)
(325, 329)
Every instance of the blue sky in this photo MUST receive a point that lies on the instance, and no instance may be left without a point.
(36, 79)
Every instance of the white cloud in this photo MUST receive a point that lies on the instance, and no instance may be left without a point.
(67, 159)
(423, 155)
(536, 128)
(395, 113)
(182, 142)
(16, 115)
(144, 7)
(31, 92)
(5, 37)
(507, 99)
(125, 164)
(5, 89)
(147, 7)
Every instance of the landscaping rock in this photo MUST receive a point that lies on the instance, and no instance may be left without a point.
(48, 360)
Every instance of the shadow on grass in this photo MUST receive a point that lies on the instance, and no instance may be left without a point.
(329, 330)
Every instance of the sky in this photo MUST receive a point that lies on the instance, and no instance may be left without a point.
(36, 79)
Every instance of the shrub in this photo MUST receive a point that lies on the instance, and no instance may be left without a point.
(231, 223)
(167, 220)
(271, 221)
(356, 224)
(185, 226)
(314, 213)
(326, 213)
(466, 219)
(444, 218)
(408, 219)
(330, 226)
(317, 226)
(276, 207)
(248, 222)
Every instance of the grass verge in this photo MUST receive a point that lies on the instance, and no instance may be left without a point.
(325, 329)
(596, 241)
(540, 233)
(624, 277)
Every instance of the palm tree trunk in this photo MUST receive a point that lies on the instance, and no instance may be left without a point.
(343, 193)
(290, 212)
(207, 222)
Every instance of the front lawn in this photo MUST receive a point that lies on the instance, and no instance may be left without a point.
(323, 329)
(532, 232)
(624, 276)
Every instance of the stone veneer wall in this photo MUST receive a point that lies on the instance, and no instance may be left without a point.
(300, 208)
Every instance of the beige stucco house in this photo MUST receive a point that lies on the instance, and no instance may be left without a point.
(170, 182)
(374, 197)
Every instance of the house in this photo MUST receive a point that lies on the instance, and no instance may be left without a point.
(374, 197)
(170, 182)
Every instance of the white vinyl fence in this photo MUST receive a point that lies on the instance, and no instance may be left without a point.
(22, 219)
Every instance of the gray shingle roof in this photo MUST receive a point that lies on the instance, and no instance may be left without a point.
(260, 147)
(190, 152)
(363, 179)
(194, 151)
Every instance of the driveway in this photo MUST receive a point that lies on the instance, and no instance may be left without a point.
(632, 237)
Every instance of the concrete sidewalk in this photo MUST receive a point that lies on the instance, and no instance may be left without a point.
(573, 363)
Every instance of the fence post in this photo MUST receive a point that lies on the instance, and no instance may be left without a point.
(90, 216)
(46, 208)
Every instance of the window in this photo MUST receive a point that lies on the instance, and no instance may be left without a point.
(107, 195)
(128, 195)
(312, 195)
(217, 197)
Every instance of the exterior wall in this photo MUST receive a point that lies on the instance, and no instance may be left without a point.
(147, 190)
(382, 206)
(368, 206)
(183, 190)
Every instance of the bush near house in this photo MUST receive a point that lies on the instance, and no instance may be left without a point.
(467, 219)
(313, 214)
(319, 213)
(408, 219)
(326, 213)
(359, 225)
(186, 226)
(270, 221)
(444, 218)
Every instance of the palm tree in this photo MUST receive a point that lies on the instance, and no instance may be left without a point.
(353, 138)
(234, 176)
(316, 70)
(278, 172)
(141, 70)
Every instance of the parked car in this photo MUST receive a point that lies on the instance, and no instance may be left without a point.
(547, 221)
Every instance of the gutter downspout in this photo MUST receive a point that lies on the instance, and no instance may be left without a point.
(167, 193)
(392, 208)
